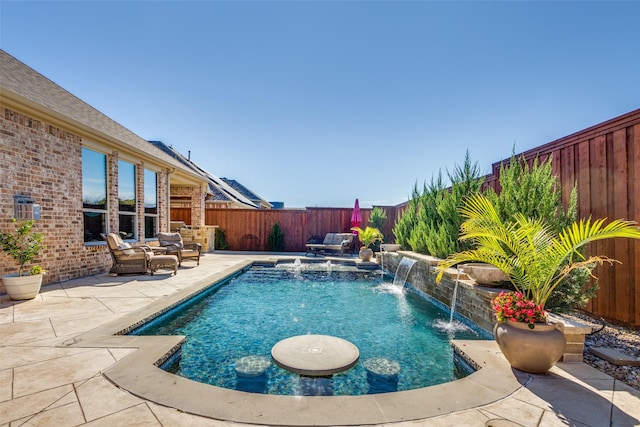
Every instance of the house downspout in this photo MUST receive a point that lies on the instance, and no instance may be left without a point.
(169, 173)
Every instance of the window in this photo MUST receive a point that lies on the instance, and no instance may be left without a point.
(94, 194)
(127, 218)
(150, 204)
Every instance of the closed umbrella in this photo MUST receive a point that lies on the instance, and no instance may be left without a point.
(356, 217)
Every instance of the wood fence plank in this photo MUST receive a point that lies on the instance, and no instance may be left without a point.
(598, 198)
(634, 209)
(608, 271)
(621, 278)
(584, 193)
(567, 173)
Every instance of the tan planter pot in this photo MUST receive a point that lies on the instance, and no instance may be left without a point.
(485, 274)
(531, 350)
(366, 254)
(22, 287)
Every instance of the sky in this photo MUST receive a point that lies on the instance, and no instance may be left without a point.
(317, 103)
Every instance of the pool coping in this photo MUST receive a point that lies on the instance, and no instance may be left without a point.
(140, 375)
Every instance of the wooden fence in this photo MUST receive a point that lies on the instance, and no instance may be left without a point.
(603, 160)
(249, 229)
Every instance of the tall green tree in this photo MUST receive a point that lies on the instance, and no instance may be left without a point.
(434, 224)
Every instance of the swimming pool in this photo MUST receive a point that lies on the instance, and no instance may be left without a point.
(249, 314)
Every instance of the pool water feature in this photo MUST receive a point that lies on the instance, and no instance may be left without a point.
(254, 311)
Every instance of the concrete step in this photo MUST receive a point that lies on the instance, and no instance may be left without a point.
(615, 356)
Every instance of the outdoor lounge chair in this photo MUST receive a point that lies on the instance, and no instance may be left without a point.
(175, 246)
(341, 243)
(127, 259)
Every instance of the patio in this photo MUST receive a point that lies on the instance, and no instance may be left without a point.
(46, 382)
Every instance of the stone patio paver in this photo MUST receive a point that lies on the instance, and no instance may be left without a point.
(65, 415)
(35, 403)
(100, 398)
(60, 371)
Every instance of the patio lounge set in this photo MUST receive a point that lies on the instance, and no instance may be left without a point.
(339, 243)
(148, 259)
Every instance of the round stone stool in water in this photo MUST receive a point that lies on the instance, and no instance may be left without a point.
(315, 358)
(315, 355)
(382, 375)
(251, 373)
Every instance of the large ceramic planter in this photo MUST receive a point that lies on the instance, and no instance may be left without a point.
(366, 254)
(22, 287)
(531, 350)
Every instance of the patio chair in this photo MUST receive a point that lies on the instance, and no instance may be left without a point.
(127, 259)
(341, 243)
(175, 246)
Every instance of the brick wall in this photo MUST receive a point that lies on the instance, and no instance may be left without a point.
(43, 161)
(163, 201)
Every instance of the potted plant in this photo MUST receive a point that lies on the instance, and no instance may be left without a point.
(367, 237)
(23, 245)
(536, 261)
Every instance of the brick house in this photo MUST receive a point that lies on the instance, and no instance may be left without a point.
(88, 174)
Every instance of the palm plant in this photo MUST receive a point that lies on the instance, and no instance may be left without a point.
(368, 236)
(534, 257)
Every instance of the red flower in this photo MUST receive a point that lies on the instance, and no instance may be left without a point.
(515, 307)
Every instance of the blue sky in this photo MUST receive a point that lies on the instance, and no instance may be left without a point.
(315, 103)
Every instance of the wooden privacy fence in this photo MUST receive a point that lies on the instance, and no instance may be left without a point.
(249, 229)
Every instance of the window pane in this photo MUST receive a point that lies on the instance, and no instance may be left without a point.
(94, 179)
(150, 192)
(150, 227)
(94, 224)
(126, 225)
(126, 187)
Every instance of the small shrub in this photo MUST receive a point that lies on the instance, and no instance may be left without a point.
(221, 240)
(275, 241)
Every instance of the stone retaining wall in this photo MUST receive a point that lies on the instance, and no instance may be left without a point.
(472, 301)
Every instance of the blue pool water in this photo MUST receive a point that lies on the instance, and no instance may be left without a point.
(252, 312)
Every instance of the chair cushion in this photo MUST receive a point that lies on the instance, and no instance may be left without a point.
(337, 239)
(170, 239)
(164, 260)
(328, 239)
(113, 240)
(188, 253)
(126, 248)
